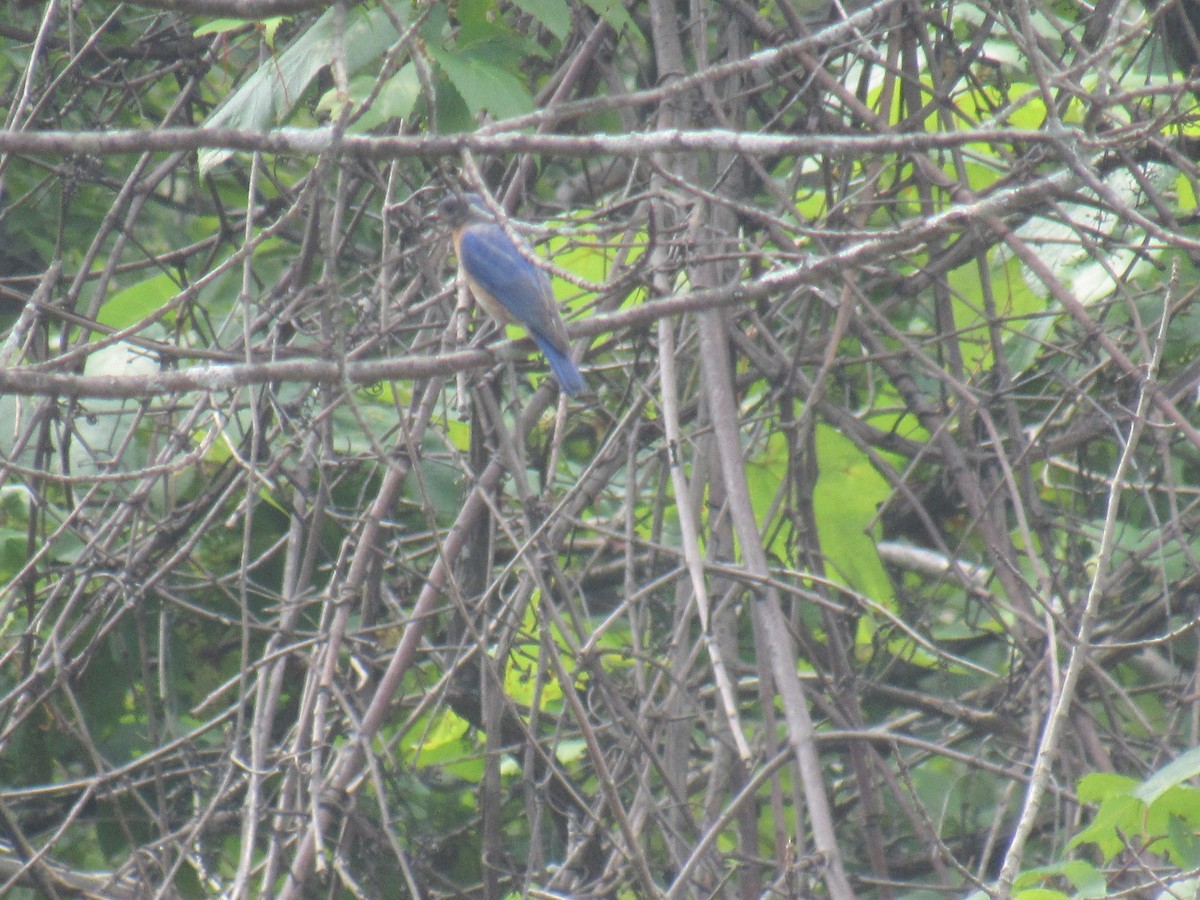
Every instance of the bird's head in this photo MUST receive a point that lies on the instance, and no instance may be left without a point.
(457, 210)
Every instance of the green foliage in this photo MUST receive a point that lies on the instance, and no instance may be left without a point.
(209, 617)
(1161, 813)
(481, 80)
(396, 99)
(137, 303)
(554, 15)
(846, 500)
(269, 95)
(439, 740)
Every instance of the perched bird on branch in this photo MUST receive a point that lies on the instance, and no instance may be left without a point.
(507, 284)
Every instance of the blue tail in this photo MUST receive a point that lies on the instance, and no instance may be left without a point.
(562, 366)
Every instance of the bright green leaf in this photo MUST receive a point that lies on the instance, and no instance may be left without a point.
(1171, 775)
(521, 680)
(1098, 786)
(1185, 193)
(482, 85)
(222, 26)
(555, 15)
(1184, 846)
(1087, 880)
(435, 740)
(765, 473)
(570, 751)
(268, 96)
(396, 99)
(846, 501)
(1014, 302)
(1116, 818)
(137, 302)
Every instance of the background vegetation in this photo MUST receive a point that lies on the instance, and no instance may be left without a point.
(866, 568)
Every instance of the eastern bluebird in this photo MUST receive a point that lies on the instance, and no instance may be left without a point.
(507, 284)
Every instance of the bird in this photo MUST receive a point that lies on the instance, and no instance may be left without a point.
(508, 286)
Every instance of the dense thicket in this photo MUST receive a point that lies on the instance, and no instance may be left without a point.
(865, 567)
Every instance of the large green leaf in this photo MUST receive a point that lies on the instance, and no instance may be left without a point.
(554, 14)
(396, 99)
(846, 501)
(268, 96)
(1173, 774)
(136, 302)
(483, 85)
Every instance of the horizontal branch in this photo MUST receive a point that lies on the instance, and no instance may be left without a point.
(316, 141)
(25, 381)
(41, 382)
(28, 382)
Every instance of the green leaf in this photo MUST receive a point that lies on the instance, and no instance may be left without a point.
(1098, 786)
(436, 739)
(268, 27)
(614, 13)
(478, 21)
(1116, 817)
(1095, 276)
(482, 85)
(396, 99)
(764, 475)
(1184, 847)
(1171, 775)
(1185, 193)
(521, 681)
(14, 554)
(555, 15)
(136, 302)
(221, 26)
(268, 96)
(570, 751)
(1023, 311)
(1087, 880)
(1160, 814)
(583, 254)
(846, 501)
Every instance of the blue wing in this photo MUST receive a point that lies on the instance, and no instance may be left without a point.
(510, 281)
